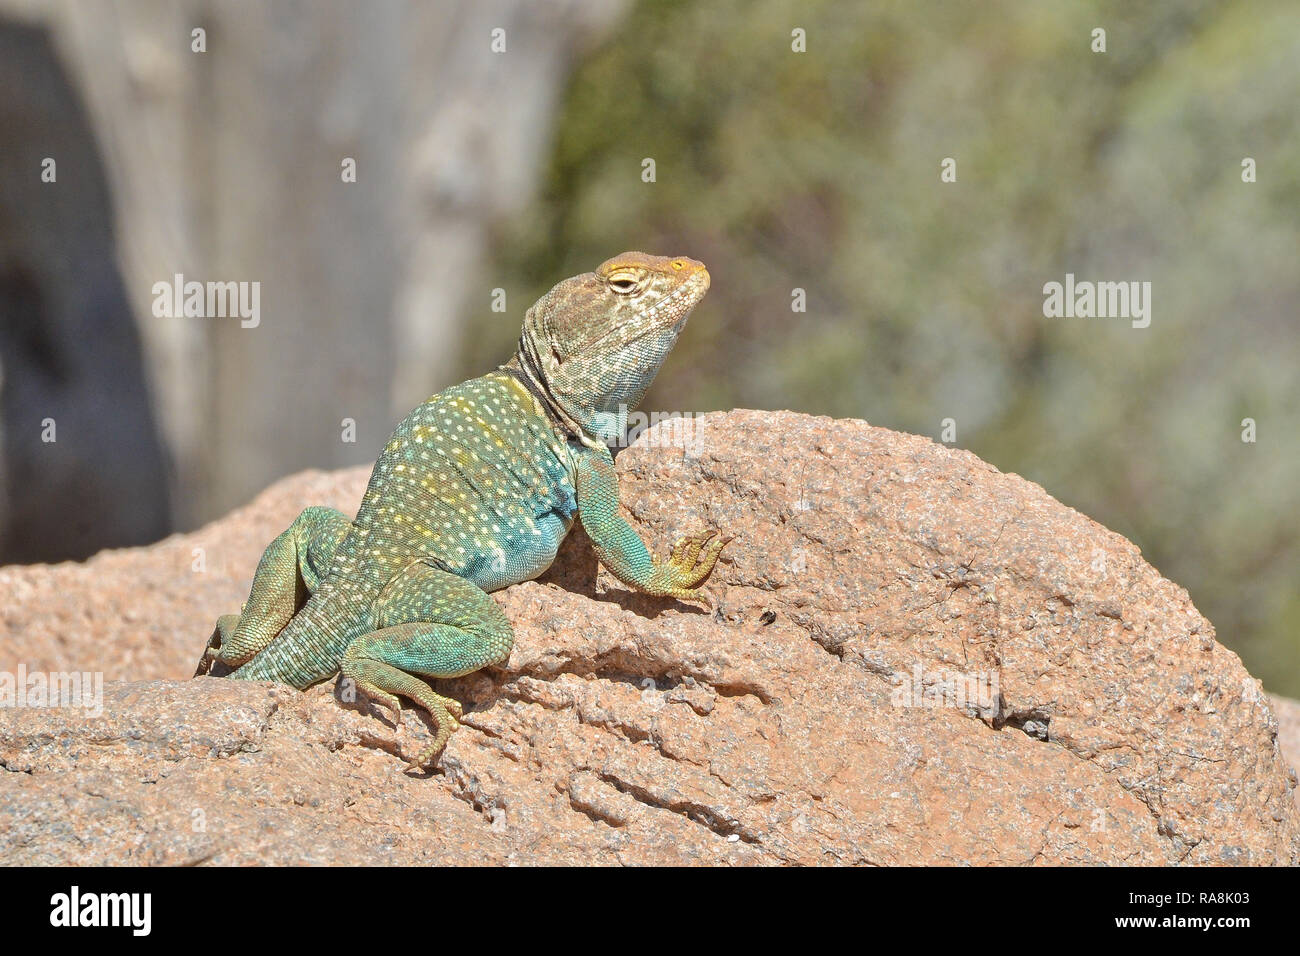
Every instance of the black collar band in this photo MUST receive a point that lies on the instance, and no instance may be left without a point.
(542, 397)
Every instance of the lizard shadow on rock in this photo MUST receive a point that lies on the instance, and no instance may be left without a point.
(219, 669)
(575, 569)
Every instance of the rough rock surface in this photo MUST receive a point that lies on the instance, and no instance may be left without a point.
(1288, 736)
(912, 658)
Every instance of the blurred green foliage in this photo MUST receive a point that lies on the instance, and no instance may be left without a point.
(820, 170)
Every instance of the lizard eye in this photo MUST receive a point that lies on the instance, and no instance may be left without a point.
(623, 283)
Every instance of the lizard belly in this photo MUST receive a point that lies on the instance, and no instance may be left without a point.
(476, 480)
(518, 557)
(522, 538)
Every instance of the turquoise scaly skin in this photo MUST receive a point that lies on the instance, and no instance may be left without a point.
(474, 491)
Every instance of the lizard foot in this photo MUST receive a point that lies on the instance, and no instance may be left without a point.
(689, 565)
(447, 717)
(382, 683)
(224, 628)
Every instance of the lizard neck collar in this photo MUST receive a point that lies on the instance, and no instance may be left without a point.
(526, 367)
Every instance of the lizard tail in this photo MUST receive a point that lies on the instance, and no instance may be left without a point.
(309, 647)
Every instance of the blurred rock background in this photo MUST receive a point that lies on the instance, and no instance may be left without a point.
(819, 170)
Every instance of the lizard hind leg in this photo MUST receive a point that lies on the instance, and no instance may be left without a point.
(221, 635)
(290, 572)
(434, 624)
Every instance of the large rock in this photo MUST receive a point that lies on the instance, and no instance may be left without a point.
(911, 658)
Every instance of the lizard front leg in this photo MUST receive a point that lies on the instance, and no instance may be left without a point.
(621, 549)
(289, 572)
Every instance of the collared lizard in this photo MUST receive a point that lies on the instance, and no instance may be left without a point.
(474, 491)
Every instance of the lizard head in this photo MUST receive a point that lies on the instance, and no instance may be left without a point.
(594, 343)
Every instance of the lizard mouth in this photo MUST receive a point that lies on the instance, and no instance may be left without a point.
(691, 291)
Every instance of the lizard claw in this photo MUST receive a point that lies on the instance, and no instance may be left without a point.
(690, 563)
(225, 626)
(446, 714)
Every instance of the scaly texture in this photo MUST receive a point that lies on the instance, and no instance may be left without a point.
(474, 491)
